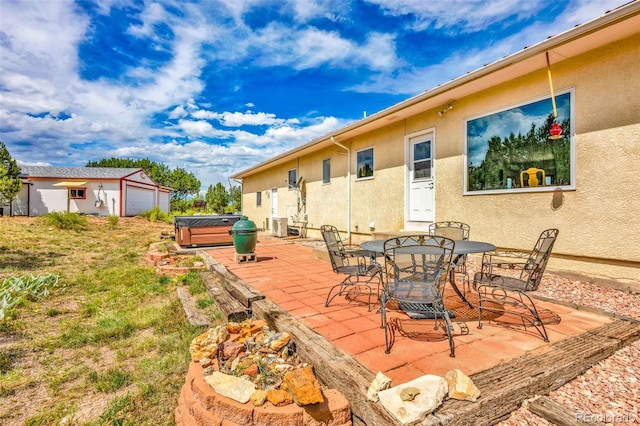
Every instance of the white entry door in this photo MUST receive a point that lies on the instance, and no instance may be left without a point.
(420, 185)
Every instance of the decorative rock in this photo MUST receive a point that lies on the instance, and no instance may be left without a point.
(258, 397)
(230, 350)
(432, 391)
(461, 386)
(206, 345)
(409, 394)
(205, 362)
(252, 370)
(381, 382)
(232, 387)
(303, 386)
(234, 327)
(280, 341)
(279, 397)
(251, 329)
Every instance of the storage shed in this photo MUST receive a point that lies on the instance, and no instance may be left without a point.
(100, 191)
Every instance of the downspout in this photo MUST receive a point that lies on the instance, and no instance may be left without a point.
(348, 186)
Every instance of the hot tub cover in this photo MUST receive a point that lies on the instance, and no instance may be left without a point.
(202, 221)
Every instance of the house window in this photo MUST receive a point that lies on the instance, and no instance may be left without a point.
(326, 171)
(513, 151)
(258, 199)
(293, 178)
(76, 193)
(364, 163)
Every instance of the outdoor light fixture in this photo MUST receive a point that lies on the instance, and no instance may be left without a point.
(446, 108)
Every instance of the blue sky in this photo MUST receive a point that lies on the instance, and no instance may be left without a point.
(216, 86)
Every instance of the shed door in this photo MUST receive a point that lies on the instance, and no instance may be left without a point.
(421, 193)
(139, 200)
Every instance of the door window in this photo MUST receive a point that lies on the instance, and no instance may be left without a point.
(422, 160)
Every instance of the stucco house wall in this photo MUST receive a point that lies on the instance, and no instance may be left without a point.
(598, 217)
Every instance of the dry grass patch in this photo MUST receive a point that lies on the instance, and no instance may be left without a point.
(109, 343)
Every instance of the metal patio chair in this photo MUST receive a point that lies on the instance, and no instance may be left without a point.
(507, 276)
(358, 265)
(455, 231)
(416, 269)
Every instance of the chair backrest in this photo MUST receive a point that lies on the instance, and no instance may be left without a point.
(532, 174)
(450, 229)
(335, 247)
(537, 262)
(422, 261)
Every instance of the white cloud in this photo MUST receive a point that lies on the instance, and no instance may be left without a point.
(197, 128)
(237, 119)
(312, 47)
(152, 15)
(458, 16)
(178, 112)
(306, 10)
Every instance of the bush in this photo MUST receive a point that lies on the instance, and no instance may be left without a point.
(113, 221)
(156, 215)
(16, 289)
(66, 220)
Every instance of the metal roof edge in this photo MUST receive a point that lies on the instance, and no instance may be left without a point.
(611, 17)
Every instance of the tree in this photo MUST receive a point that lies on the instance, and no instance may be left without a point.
(10, 182)
(235, 198)
(184, 183)
(217, 198)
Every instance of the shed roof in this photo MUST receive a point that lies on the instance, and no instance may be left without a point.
(76, 172)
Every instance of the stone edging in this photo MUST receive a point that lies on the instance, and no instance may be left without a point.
(200, 405)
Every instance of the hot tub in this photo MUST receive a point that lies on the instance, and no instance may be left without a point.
(204, 230)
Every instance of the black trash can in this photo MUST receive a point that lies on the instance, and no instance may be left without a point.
(245, 235)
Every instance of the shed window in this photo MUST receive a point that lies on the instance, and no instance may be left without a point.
(326, 171)
(364, 163)
(76, 193)
(512, 150)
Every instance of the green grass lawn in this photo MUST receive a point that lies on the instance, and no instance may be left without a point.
(109, 342)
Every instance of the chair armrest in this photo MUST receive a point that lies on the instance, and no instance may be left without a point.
(356, 251)
(509, 254)
(506, 258)
(502, 261)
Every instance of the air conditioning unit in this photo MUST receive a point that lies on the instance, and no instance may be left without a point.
(279, 226)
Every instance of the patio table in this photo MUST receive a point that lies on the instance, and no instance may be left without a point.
(461, 248)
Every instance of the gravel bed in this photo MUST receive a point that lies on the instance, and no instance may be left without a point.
(609, 392)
